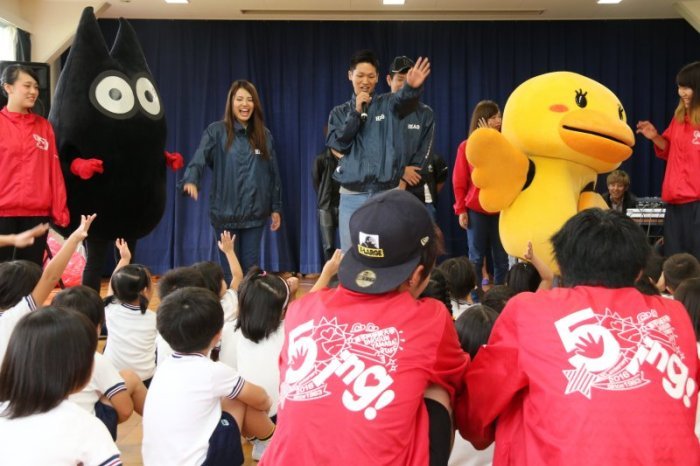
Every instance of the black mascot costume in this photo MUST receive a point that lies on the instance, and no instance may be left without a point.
(110, 131)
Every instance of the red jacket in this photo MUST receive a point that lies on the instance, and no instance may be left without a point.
(31, 182)
(466, 194)
(682, 180)
(583, 376)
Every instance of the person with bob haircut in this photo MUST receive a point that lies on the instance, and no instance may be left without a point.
(246, 189)
(461, 281)
(594, 372)
(110, 395)
(258, 336)
(357, 359)
(619, 196)
(131, 326)
(50, 356)
(531, 275)
(679, 145)
(33, 191)
(196, 408)
(484, 242)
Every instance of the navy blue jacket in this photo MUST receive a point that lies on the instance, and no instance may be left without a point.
(416, 136)
(373, 156)
(245, 188)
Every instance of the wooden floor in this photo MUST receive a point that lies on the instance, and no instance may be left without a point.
(130, 433)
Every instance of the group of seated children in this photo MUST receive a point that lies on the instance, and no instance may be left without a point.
(368, 372)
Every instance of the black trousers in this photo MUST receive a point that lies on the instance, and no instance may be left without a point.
(328, 223)
(96, 249)
(13, 225)
(682, 229)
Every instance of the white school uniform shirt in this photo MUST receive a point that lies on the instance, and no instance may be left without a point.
(228, 354)
(464, 454)
(229, 302)
(183, 407)
(105, 380)
(131, 338)
(9, 319)
(458, 307)
(259, 362)
(64, 436)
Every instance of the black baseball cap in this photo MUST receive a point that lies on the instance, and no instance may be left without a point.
(401, 65)
(388, 232)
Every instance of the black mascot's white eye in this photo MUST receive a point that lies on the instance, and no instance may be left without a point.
(148, 97)
(112, 95)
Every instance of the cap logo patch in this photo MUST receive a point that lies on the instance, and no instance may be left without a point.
(424, 240)
(368, 245)
(365, 278)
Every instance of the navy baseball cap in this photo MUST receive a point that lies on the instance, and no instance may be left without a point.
(388, 232)
(401, 65)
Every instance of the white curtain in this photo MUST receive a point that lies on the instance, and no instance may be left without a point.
(8, 41)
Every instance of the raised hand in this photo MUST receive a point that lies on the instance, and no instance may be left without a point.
(81, 232)
(417, 75)
(123, 249)
(646, 129)
(226, 241)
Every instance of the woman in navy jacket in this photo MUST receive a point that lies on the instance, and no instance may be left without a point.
(246, 188)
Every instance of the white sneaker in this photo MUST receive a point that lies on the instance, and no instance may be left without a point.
(259, 447)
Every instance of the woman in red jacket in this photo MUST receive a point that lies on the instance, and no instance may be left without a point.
(482, 227)
(31, 183)
(679, 145)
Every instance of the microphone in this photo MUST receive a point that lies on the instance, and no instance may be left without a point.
(363, 114)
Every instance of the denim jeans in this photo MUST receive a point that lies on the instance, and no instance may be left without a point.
(349, 203)
(483, 239)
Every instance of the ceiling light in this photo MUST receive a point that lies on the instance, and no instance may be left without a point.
(177, 1)
(393, 2)
(608, 2)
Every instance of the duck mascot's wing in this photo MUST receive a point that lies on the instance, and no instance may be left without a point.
(500, 170)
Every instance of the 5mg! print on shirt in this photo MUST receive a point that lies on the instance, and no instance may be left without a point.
(610, 352)
(361, 355)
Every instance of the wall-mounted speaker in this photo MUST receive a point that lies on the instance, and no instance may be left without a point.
(42, 70)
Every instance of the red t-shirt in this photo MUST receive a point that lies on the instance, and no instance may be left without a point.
(586, 376)
(354, 368)
(682, 179)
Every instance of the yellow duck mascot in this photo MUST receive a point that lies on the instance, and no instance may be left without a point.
(560, 130)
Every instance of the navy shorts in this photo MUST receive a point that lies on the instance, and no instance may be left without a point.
(225, 443)
(108, 416)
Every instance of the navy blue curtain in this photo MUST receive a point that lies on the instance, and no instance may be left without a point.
(300, 70)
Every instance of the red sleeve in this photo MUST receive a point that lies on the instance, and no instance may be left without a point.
(493, 380)
(460, 179)
(451, 361)
(663, 154)
(59, 207)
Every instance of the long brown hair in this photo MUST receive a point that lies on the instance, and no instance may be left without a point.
(484, 109)
(689, 76)
(256, 125)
